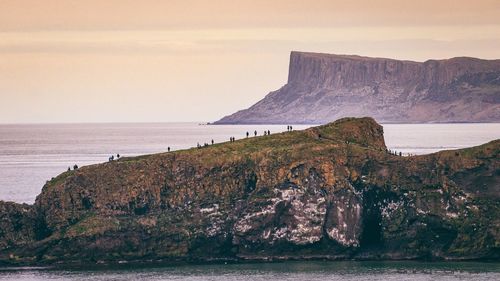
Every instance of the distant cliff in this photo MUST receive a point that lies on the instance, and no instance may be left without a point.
(328, 192)
(324, 87)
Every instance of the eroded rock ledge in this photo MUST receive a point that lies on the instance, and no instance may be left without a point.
(329, 192)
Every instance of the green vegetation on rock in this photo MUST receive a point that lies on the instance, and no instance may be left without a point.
(330, 192)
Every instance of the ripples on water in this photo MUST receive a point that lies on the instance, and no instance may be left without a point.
(342, 271)
(32, 154)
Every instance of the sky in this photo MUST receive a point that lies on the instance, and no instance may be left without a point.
(65, 61)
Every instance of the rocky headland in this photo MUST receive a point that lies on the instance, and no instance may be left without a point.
(328, 192)
(325, 87)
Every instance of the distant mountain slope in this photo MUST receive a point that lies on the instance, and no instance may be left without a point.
(325, 87)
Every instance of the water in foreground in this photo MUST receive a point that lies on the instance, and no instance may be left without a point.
(32, 154)
(344, 271)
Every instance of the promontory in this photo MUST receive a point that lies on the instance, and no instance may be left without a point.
(327, 192)
(325, 87)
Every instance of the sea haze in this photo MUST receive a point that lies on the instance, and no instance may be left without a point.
(32, 154)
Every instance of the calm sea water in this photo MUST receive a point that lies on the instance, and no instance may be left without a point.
(32, 154)
(321, 271)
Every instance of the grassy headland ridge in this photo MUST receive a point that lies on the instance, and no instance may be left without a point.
(328, 192)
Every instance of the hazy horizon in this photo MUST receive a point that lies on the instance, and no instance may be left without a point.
(197, 61)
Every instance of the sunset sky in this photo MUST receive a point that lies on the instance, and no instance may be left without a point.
(167, 61)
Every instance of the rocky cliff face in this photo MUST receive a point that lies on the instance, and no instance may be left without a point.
(330, 192)
(323, 87)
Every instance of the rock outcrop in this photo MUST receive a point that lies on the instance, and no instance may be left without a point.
(329, 192)
(324, 87)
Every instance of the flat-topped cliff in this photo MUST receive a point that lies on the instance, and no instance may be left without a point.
(323, 87)
(328, 192)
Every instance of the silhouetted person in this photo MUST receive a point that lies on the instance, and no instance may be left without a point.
(247, 134)
(291, 128)
(69, 169)
(400, 154)
(268, 132)
(265, 133)
(168, 149)
(75, 167)
(255, 133)
(288, 128)
(118, 155)
(212, 142)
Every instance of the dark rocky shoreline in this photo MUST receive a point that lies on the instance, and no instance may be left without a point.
(330, 192)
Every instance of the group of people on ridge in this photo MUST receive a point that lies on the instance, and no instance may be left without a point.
(204, 145)
(231, 139)
(74, 167)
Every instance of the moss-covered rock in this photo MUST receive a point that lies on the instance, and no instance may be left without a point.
(329, 192)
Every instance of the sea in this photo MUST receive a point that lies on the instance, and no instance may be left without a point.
(31, 154)
(278, 271)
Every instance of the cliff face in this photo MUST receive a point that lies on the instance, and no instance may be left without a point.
(328, 192)
(323, 87)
